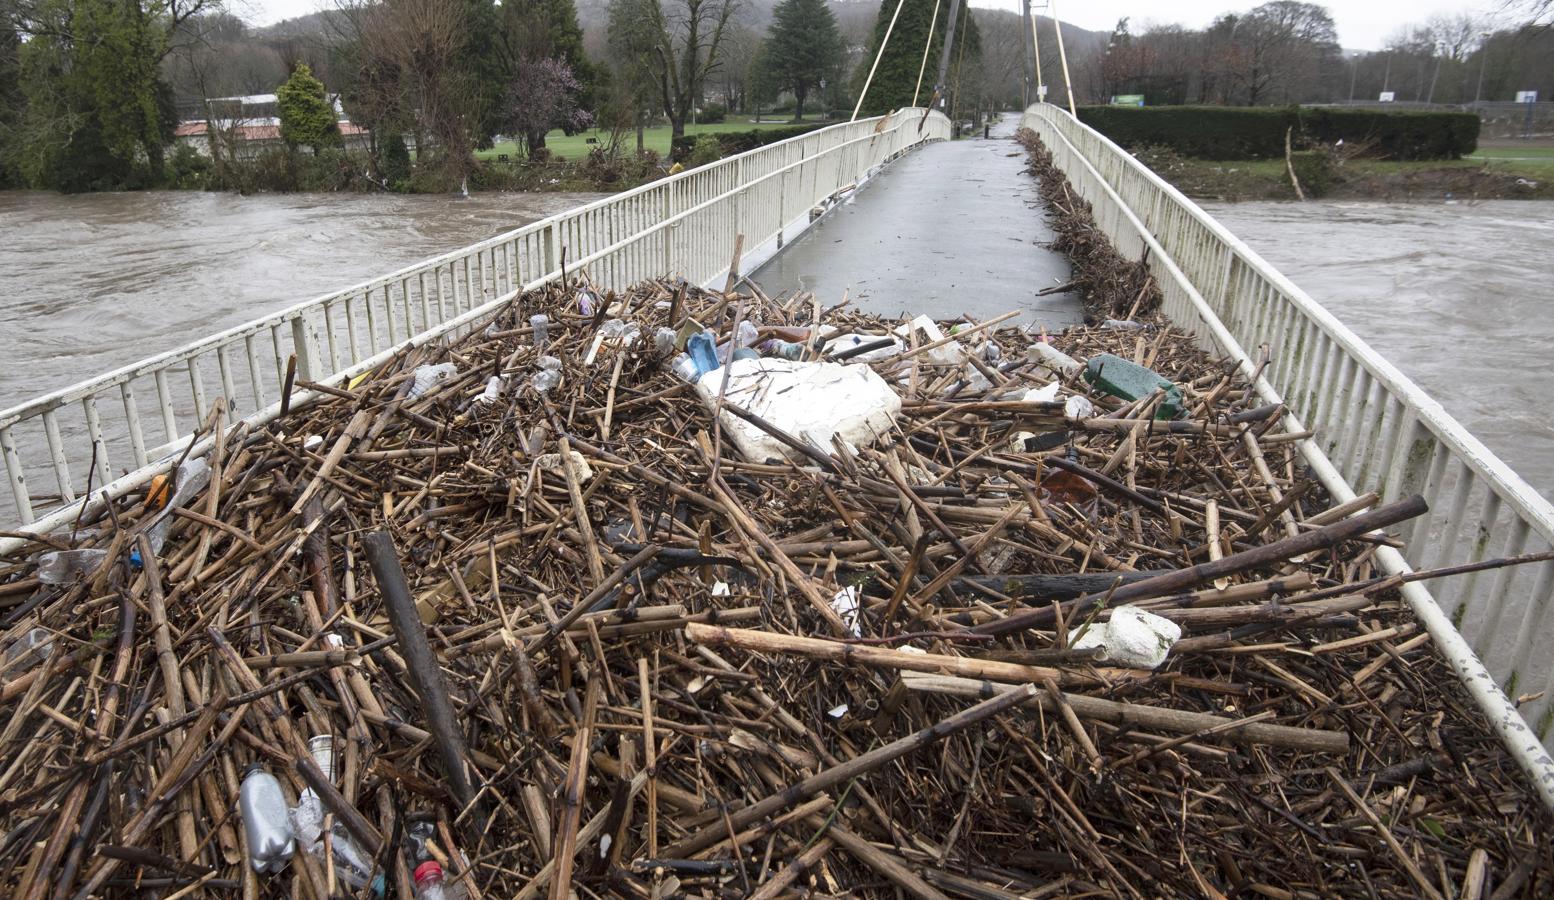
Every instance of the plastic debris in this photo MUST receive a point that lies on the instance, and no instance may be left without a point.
(581, 470)
(266, 823)
(812, 401)
(540, 323)
(1130, 381)
(62, 566)
(1132, 637)
(846, 605)
(426, 377)
(495, 385)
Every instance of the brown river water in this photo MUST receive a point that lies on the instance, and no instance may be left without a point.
(1460, 297)
(89, 282)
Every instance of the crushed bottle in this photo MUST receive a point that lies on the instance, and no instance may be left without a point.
(193, 475)
(30, 649)
(549, 375)
(427, 377)
(430, 883)
(703, 352)
(266, 823)
(540, 323)
(493, 392)
(62, 566)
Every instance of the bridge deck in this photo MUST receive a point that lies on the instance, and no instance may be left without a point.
(954, 227)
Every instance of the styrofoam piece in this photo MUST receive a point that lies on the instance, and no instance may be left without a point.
(846, 605)
(1133, 638)
(580, 467)
(1053, 358)
(1074, 407)
(812, 401)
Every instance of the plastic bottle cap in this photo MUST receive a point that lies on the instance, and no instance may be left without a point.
(426, 870)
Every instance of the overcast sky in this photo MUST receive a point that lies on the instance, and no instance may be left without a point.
(1362, 24)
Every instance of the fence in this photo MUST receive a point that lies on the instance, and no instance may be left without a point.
(93, 438)
(1375, 430)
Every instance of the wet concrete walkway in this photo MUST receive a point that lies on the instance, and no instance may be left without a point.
(953, 228)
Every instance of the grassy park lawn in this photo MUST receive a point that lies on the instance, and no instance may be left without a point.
(654, 138)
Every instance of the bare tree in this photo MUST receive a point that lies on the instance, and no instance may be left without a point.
(681, 42)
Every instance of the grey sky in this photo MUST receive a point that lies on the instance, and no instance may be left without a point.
(1362, 24)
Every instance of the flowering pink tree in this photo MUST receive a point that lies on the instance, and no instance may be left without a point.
(544, 96)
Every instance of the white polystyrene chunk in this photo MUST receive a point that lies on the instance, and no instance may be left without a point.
(1133, 638)
(810, 401)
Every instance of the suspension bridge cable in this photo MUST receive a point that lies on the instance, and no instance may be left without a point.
(883, 42)
(923, 67)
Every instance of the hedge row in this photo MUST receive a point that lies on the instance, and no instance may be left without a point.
(1224, 132)
(739, 141)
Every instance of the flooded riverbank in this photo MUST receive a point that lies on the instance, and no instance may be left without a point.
(1457, 296)
(93, 281)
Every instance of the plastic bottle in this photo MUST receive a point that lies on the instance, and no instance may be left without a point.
(29, 649)
(62, 566)
(586, 301)
(351, 864)
(663, 341)
(793, 350)
(541, 325)
(704, 352)
(685, 368)
(429, 883)
(265, 822)
(548, 376)
(1122, 325)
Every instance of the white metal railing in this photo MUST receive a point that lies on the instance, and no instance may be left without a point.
(95, 432)
(1374, 430)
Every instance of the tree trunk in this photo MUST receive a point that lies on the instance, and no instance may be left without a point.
(535, 140)
(640, 129)
(798, 104)
(676, 126)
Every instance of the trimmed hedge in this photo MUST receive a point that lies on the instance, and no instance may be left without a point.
(1225, 132)
(739, 141)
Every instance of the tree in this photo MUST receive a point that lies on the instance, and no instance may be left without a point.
(803, 49)
(633, 54)
(895, 80)
(534, 32)
(1277, 53)
(544, 96)
(680, 42)
(97, 112)
(306, 114)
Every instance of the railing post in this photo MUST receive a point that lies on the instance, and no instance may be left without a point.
(302, 345)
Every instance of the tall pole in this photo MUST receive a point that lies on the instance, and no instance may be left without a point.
(939, 85)
(1068, 81)
(1027, 85)
(1430, 98)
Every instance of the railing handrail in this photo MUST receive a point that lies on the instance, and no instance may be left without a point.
(87, 387)
(1498, 476)
(1191, 307)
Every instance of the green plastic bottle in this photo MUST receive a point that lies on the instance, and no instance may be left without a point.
(1131, 381)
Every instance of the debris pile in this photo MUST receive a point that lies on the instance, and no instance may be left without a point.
(630, 597)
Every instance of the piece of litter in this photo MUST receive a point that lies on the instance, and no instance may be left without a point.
(836, 712)
(1133, 637)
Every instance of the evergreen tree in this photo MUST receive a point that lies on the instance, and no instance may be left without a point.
(896, 79)
(306, 114)
(97, 113)
(803, 49)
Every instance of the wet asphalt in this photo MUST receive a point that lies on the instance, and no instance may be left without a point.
(955, 228)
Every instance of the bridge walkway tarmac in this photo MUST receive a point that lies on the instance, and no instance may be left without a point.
(953, 228)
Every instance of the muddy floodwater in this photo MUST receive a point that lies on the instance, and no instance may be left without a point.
(1460, 297)
(93, 281)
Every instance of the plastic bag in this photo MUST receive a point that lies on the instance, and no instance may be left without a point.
(427, 377)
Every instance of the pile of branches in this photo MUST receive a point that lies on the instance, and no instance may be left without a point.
(601, 653)
(1109, 286)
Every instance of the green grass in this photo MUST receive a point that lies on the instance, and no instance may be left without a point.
(654, 138)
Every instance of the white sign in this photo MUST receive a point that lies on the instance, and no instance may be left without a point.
(1526, 96)
(1041, 92)
(1388, 96)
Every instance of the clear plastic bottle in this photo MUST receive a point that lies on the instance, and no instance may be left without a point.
(541, 325)
(265, 822)
(351, 864)
(430, 883)
(29, 649)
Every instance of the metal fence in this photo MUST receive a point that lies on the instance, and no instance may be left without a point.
(112, 433)
(1374, 430)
